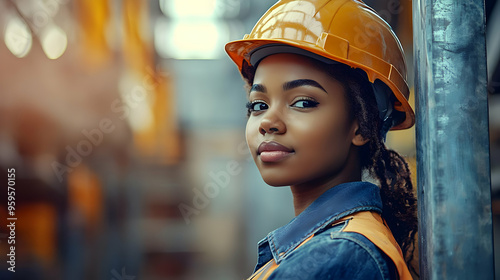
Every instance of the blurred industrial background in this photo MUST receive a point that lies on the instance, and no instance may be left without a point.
(124, 121)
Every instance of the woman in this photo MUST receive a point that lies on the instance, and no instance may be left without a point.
(326, 81)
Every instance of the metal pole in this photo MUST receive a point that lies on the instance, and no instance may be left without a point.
(453, 172)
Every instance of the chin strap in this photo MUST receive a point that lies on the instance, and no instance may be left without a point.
(385, 101)
(385, 106)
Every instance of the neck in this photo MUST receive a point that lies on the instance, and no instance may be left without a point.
(306, 193)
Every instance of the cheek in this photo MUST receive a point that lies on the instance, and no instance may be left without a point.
(323, 140)
(330, 136)
(251, 134)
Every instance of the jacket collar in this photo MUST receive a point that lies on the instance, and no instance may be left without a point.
(334, 204)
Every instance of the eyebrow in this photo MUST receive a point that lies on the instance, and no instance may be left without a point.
(289, 85)
(302, 82)
(259, 88)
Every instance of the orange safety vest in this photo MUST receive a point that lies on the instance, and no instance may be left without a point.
(370, 225)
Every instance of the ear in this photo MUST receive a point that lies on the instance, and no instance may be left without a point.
(358, 139)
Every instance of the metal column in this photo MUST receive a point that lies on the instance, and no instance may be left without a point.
(453, 172)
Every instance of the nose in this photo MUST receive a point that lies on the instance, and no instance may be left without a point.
(272, 123)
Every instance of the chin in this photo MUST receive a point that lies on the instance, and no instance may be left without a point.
(275, 180)
(276, 184)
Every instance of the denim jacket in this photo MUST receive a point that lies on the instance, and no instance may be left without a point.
(331, 253)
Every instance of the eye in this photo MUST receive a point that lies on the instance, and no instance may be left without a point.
(305, 103)
(256, 106)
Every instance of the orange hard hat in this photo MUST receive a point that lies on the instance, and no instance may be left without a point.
(345, 31)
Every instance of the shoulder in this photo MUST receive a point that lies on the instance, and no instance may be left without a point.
(334, 254)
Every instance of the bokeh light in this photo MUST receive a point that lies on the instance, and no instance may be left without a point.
(54, 41)
(18, 37)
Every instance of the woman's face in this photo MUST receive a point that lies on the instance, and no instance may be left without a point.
(299, 130)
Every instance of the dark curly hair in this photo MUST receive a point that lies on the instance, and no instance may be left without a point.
(387, 166)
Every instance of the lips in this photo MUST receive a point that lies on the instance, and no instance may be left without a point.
(273, 151)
